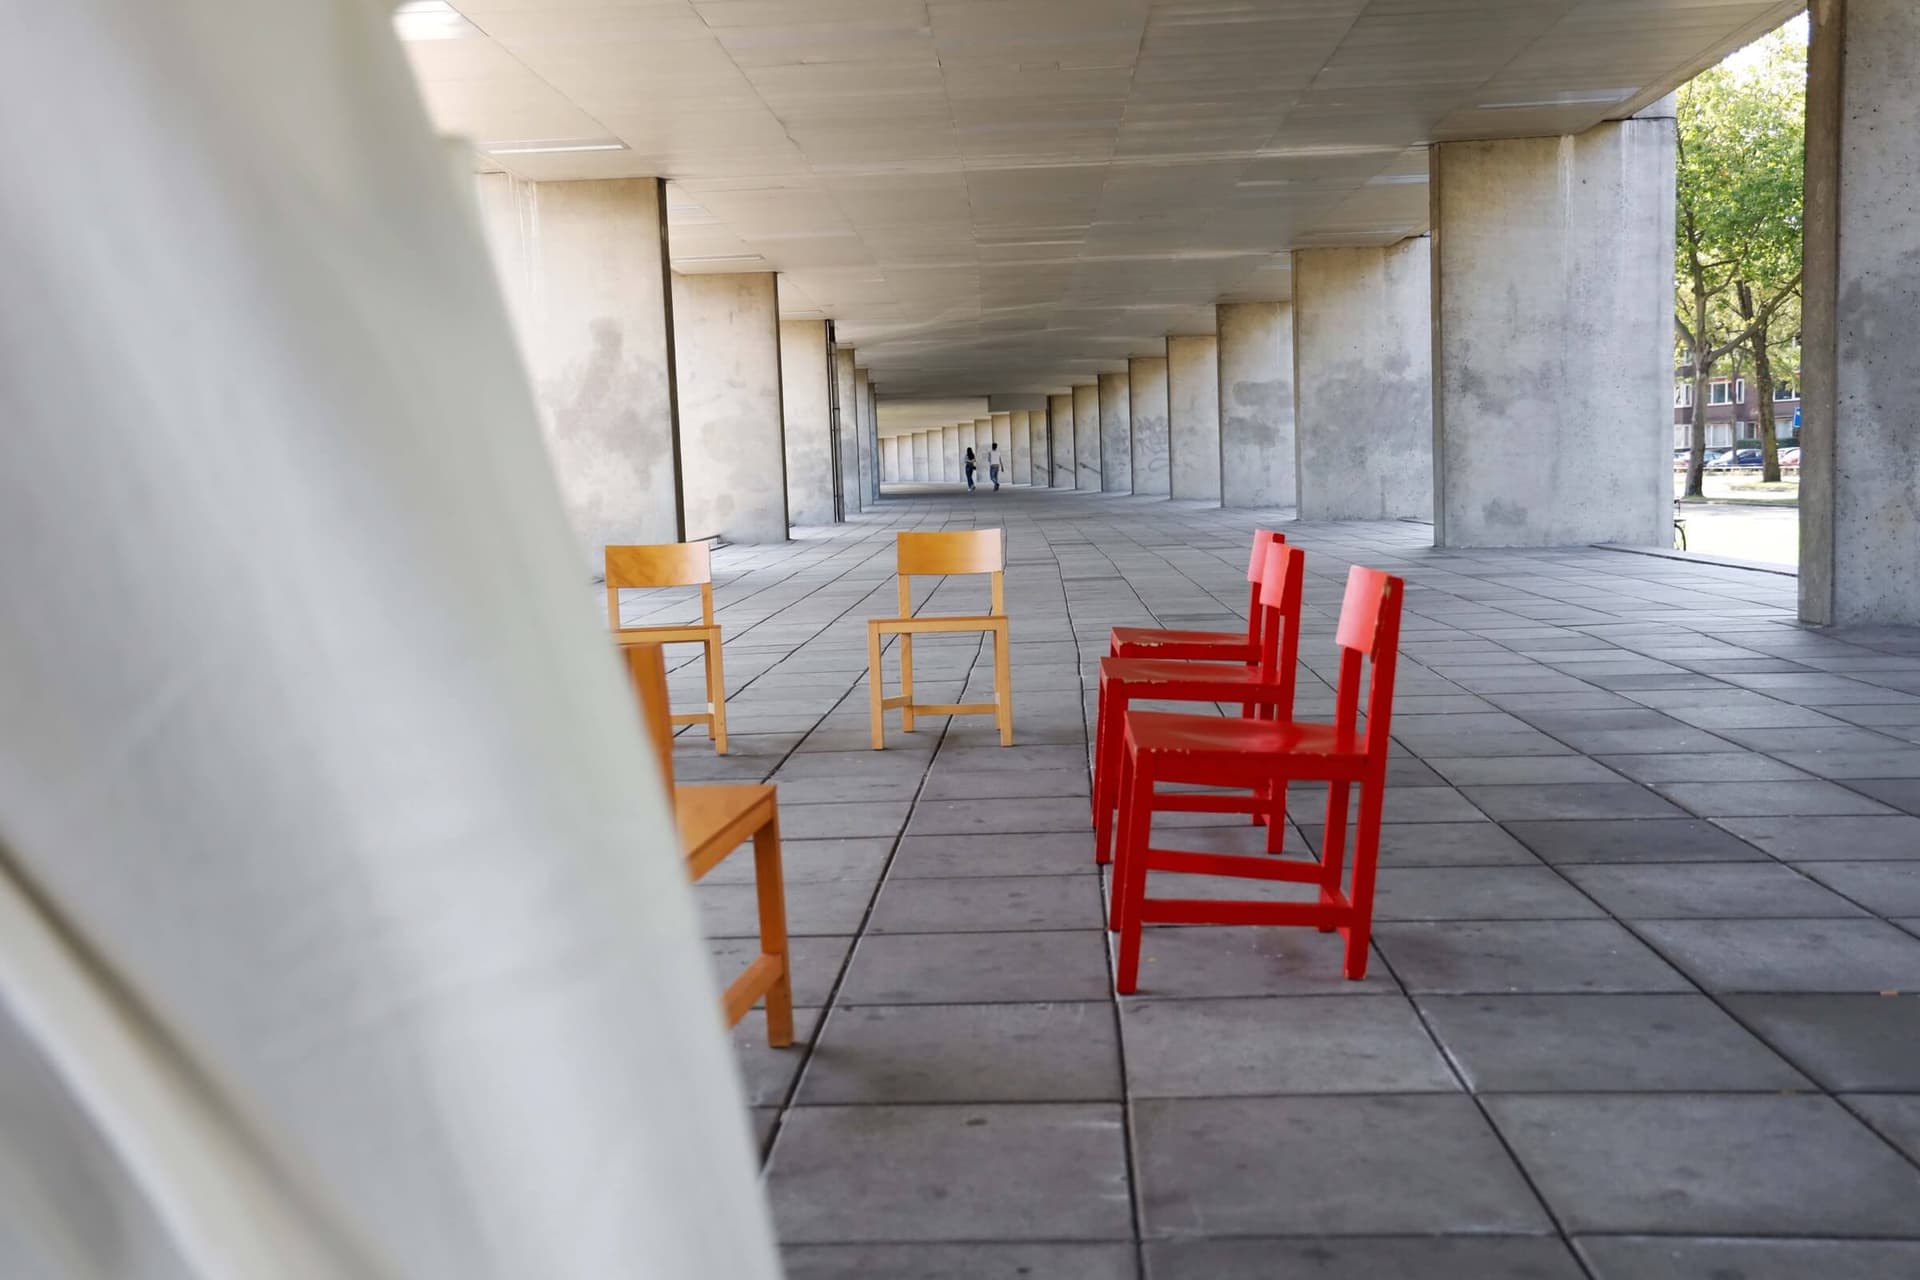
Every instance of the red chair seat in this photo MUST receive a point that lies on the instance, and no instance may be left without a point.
(1218, 646)
(1145, 672)
(1170, 733)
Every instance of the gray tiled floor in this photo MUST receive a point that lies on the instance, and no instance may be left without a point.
(1648, 921)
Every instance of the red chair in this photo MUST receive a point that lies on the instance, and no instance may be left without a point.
(1265, 688)
(1206, 646)
(1257, 754)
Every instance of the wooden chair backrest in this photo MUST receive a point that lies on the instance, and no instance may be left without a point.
(666, 564)
(647, 669)
(1256, 569)
(959, 551)
(1369, 629)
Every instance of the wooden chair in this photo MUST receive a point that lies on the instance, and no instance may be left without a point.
(1207, 646)
(963, 552)
(1265, 689)
(713, 820)
(674, 564)
(1254, 754)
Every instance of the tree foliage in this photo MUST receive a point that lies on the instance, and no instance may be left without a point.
(1741, 198)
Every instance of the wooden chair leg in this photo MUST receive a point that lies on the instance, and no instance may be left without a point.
(1366, 856)
(1333, 846)
(906, 680)
(875, 690)
(716, 697)
(1003, 684)
(770, 889)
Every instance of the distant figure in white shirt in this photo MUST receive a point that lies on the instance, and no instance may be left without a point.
(993, 463)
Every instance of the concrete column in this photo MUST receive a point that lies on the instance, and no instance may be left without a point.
(1116, 433)
(1061, 429)
(1019, 446)
(950, 453)
(873, 442)
(1003, 433)
(1193, 416)
(1147, 394)
(890, 459)
(1860, 465)
(846, 423)
(726, 337)
(862, 433)
(1256, 404)
(809, 432)
(1364, 351)
(1553, 338)
(1040, 438)
(919, 456)
(583, 268)
(1086, 437)
(972, 436)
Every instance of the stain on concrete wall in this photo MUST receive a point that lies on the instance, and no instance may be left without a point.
(1256, 404)
(1193, 417)
(1086, 437)
(727, 344)
(1365, 357)
(579, 265)
(846, 422)
(1116, 433)
(1554, 336)
(804, 407)
(1060, 429)
(1147, 395)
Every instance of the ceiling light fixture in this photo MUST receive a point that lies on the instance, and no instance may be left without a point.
(720, 257)
(1590, 98)
(548, 148)
(430, 20)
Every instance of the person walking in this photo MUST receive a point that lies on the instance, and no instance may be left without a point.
(993, 464)
(969, 468)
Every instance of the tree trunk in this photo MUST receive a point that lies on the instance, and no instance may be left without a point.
(1763, 383)
(1702, 366)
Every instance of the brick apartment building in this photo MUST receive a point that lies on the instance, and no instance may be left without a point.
(1733, 410)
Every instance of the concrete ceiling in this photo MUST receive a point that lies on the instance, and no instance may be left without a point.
(995, 196)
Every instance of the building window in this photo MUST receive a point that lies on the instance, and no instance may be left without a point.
(1719, 391)
(1740, 391)
(1683, 395)
(1784, 391)
(1719, 435)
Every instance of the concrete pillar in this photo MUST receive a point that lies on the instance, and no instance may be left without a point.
(1860, 465)
(1147, 394)
(1039, 450)
(726, 337)
(919, 456)
(1086, 437)
(1060, 429)
(809, 427)
(1256, 404)
(1003, 433)
(1193, 416)
(862, 431)
(873, 442)
(583, 269)
(1116, 433)
(1553, 338)
(950, 453)
(890, 459)
(1364, 354)
(1019, 448)
(846, 423)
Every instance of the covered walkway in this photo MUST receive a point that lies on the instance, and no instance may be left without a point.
(1649, 905)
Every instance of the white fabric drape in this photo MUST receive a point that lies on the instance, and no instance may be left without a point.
(341, 928)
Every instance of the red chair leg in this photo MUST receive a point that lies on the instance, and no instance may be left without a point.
(1366, 856)
(1275, 794)
(1130, 876)
(1110, 746)
(1099, 727)
(1333, 846)
(1123, 835)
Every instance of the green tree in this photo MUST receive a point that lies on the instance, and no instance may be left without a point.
(1741, 187)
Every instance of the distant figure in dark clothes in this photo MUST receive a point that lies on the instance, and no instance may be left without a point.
(969, 466)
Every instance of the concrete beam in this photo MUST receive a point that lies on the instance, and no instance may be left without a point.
(1086, 437)
(1860, 459)
(1256, 404)
(1147, 396)
(726, 336)
(1553, 338)
(1363, 354)
(804, 404)
(1193, 416)
(583, 268)
(1060, 426)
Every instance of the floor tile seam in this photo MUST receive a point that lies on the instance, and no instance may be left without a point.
(1461, 1077)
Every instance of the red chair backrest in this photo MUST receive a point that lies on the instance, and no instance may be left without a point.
(1256, 569)
(1280, 587)
(1369, 628)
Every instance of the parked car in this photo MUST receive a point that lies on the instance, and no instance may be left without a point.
(1735, 459)
(1711, 457)
(1790, 457)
